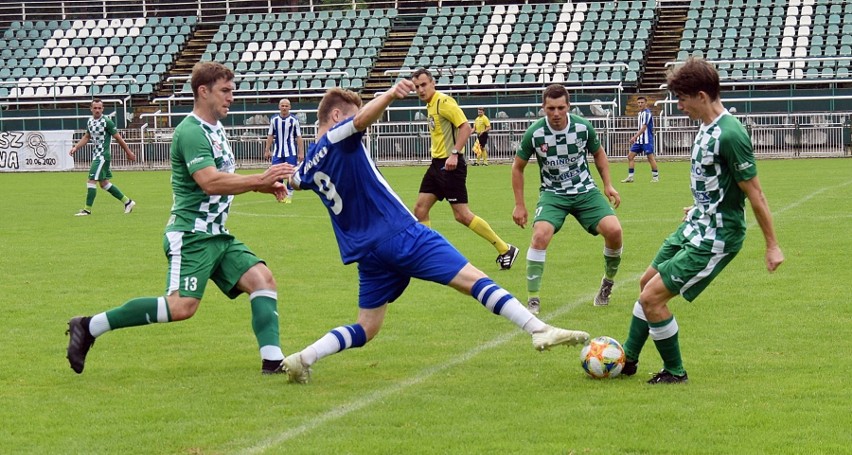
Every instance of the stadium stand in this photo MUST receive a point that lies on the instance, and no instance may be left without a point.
(83, 58)
(497, 45)
(752, 36)
(575, 43)
(300, 49)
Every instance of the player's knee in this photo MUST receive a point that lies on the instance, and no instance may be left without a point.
(463, 218)
(421, 212)
(611, 230)
(371, 329)
(182, 308)
(260, 277)
(615, 234)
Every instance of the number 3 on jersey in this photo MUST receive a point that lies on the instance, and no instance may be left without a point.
(327, 188)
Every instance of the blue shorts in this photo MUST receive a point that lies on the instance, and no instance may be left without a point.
(292, 159)
(647, 149)
(416, 252)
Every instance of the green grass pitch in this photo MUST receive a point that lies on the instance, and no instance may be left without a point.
(767, 354)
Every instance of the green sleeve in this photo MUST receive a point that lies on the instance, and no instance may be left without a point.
(526, 149)
(194, 149)
(738, 151)
(110, 127)
(592, 142)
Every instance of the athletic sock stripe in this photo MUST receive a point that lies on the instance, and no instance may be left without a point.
(662, 333)
(480, 286)
(639, 312)
(612, 253)
(344, 337)
(264, 293)
(490, 295)
(498, 307)
(162, 310)
(358, 334)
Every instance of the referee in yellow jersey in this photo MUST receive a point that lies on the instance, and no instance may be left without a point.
(481, 127)
(446, 177)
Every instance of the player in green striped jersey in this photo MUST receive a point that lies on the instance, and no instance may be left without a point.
(197, 245)
(560, 143)
(100, 129)
(723, 175)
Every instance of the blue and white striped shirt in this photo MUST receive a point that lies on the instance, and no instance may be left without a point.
(284, 130)
(646, 118)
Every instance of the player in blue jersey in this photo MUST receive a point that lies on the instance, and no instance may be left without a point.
(284, 142)
(642, 142)
(374, 228)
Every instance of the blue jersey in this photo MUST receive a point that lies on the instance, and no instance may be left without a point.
(364, 209)
(646, 118)
(284, 130)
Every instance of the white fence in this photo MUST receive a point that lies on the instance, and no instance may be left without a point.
(797, 135)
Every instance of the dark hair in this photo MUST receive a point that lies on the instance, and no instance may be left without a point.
(421, 71)
(207, 73)
(97, 100)
(641, 98)
(555, 91)
(696, 75)
(335, 98)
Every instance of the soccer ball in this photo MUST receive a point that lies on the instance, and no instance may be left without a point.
(602, 358)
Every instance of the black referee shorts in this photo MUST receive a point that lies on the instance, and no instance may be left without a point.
(449, 185)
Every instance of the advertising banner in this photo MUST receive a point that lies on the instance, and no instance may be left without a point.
(36, 151)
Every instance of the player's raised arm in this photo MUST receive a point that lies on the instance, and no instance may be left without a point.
(373, 110)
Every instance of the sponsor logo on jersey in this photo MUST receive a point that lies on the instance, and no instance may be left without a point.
(742, 166)
(702, 197)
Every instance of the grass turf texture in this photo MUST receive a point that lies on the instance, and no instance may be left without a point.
(767, 354)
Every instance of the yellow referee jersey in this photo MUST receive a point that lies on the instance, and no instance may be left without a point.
(445, 116)
(481, 124)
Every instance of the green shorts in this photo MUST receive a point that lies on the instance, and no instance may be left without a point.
(195, 258)
(686, 269)
(588, 208)
(100, 169)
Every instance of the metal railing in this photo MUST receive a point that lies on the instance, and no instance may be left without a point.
(408, 143)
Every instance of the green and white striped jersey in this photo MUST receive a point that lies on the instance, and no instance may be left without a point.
(561, 155)
(101, 131)
(722, 155)
(197, 144)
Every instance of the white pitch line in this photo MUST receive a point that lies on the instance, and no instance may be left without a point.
(346, 409)
(379, 395)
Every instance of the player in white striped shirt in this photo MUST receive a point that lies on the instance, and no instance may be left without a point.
(284, 142)
(643, 141)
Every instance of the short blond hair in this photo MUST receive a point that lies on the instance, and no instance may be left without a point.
(335, 98)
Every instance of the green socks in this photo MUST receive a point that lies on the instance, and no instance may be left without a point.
(664, 334)
(116, 193)
(535, 270)
(264, 318)
(638, 333)
(612, 259)
(139, 311)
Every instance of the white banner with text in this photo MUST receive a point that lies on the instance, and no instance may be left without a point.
(36, 151)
